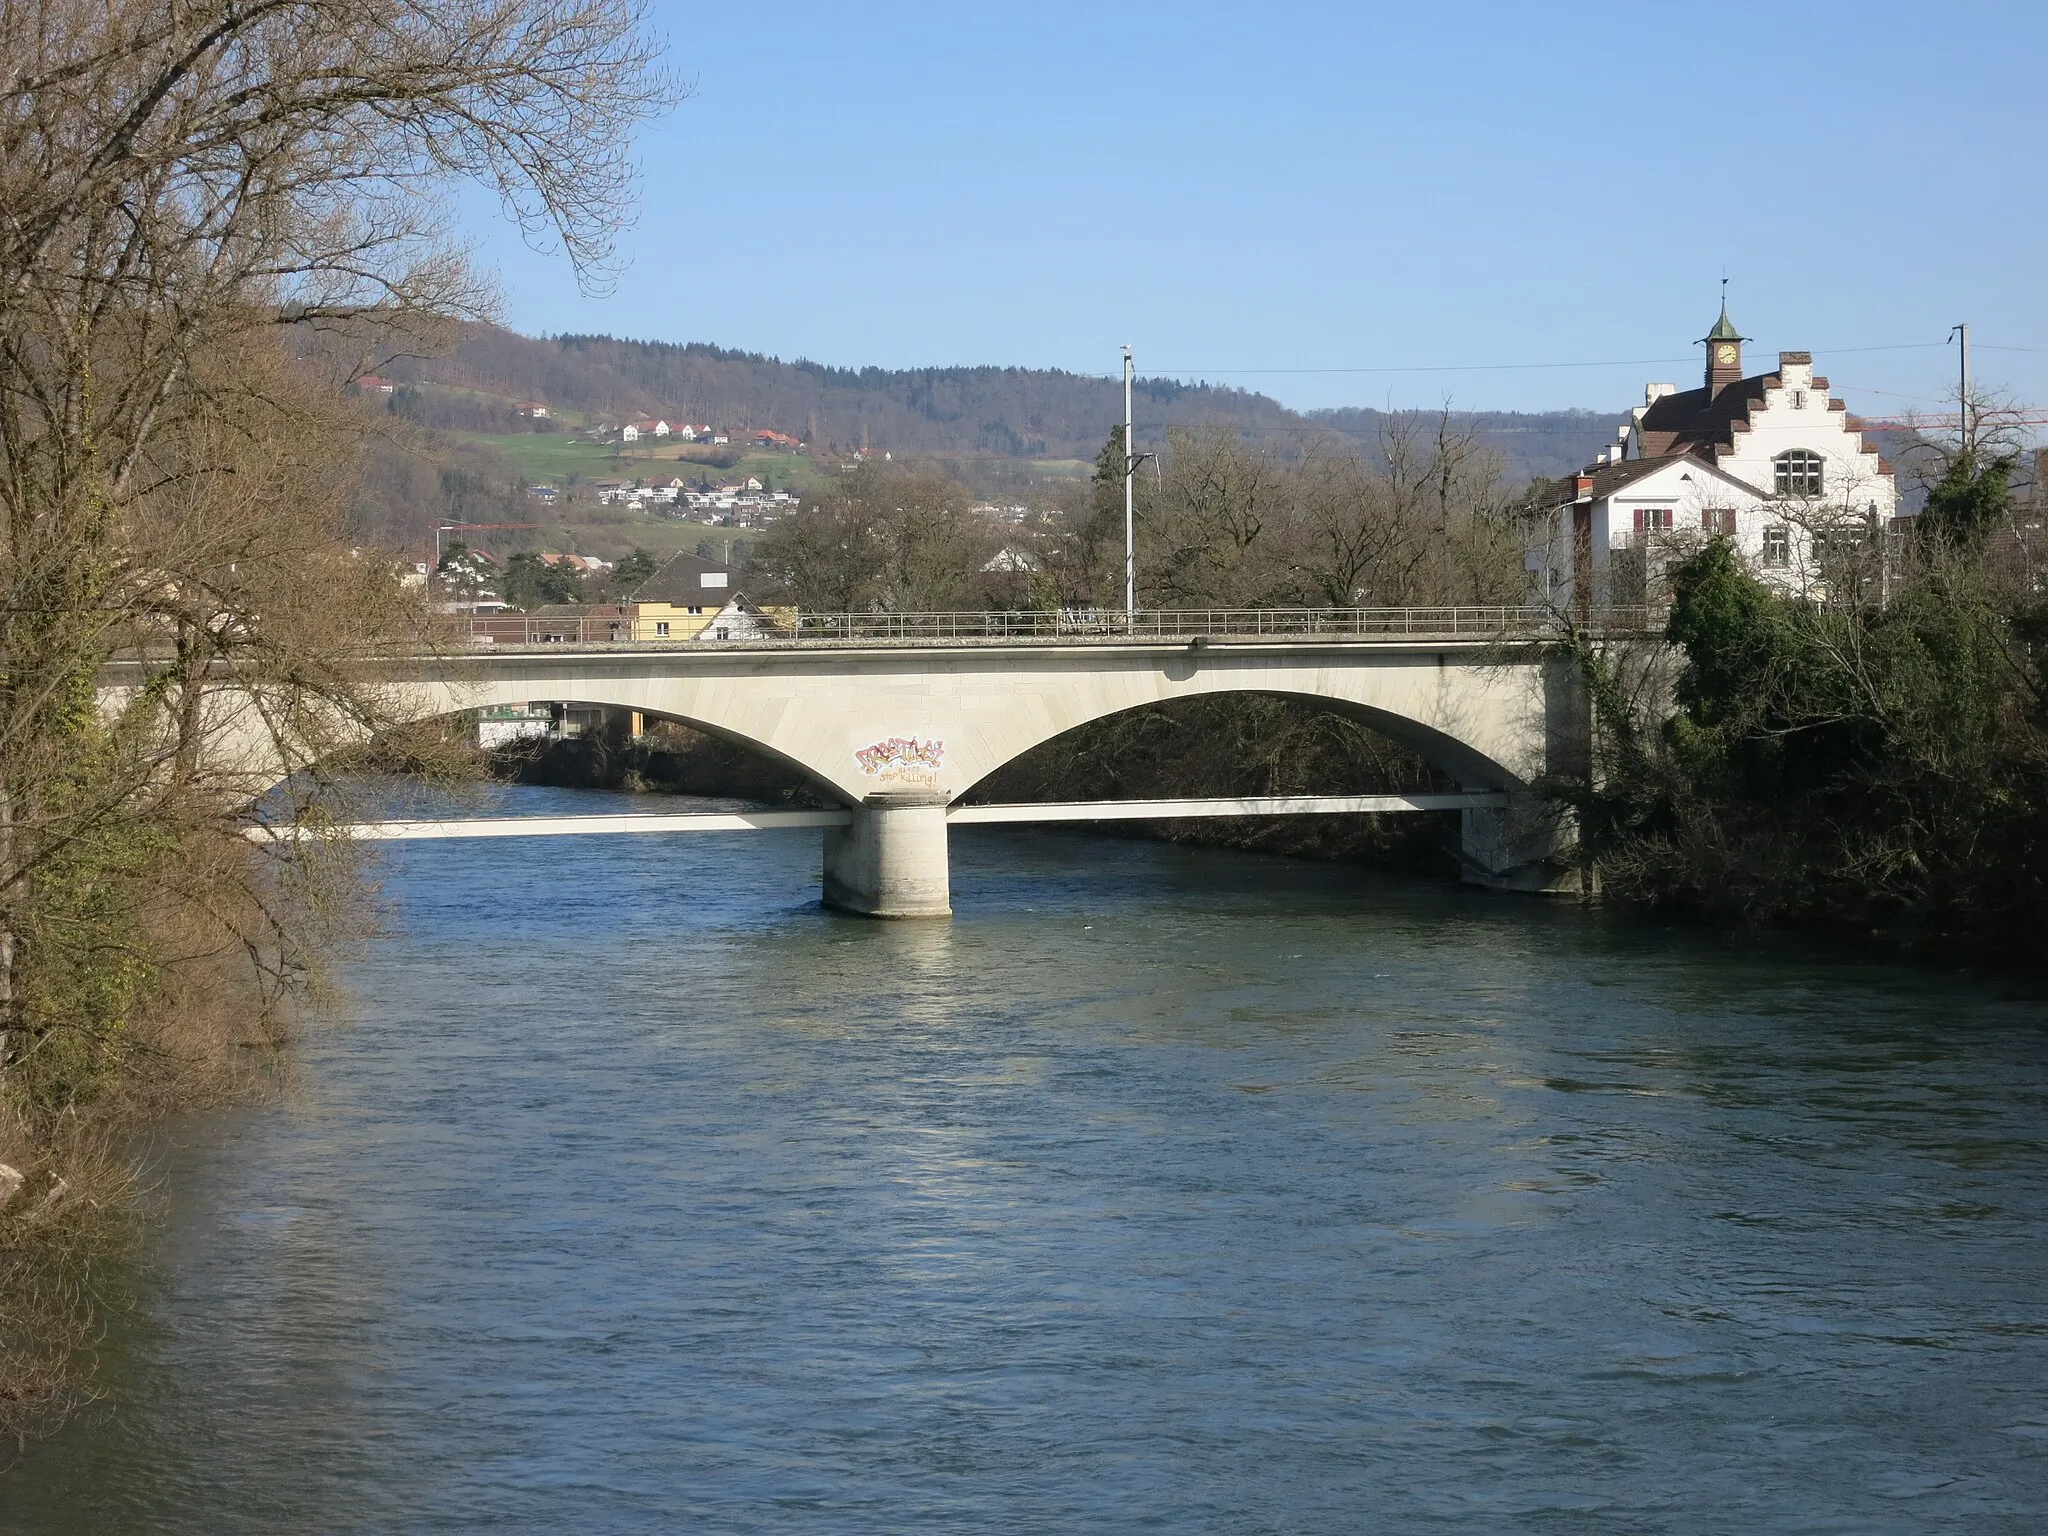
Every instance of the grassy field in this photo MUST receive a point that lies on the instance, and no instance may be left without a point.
(608, 533)
(553, 457)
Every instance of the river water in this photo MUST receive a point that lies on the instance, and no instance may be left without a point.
(1159, 1189)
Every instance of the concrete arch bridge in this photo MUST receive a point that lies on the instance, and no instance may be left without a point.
(896, 730)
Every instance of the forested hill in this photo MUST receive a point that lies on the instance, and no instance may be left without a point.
(994, 411)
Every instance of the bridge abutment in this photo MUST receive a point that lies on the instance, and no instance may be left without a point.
(890, 860)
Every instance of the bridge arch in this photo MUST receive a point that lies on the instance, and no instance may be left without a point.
(1448, 753)
(1485, 725)
(441, 701)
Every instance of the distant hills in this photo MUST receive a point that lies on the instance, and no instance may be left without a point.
(979, 412)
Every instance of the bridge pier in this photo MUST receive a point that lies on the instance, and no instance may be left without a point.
(890, 860)
(1518, 847)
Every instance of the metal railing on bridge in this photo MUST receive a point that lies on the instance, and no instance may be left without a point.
(613, 627)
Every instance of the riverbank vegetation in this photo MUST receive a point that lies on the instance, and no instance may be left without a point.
(1876, 764)
(216, 217)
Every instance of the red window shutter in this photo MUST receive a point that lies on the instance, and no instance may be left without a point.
(1642, 518)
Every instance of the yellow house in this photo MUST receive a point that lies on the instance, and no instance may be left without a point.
(691, 598)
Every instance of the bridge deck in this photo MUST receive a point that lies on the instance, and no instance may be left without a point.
(622, 628)
(963, 815)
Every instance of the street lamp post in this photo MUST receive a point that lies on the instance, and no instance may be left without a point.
(1130, 518)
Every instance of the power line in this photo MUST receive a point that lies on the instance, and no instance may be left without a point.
(1626, 362)
(1623, 362)
(1889, 394)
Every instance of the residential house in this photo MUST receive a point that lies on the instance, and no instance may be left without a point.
(578, 623)
(583, 565)
(690, 598)
(680, 598)
(507, 724)
(1770, 461)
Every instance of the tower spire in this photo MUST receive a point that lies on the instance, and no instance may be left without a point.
(1724, 349)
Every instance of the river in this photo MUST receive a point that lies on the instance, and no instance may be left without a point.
(1160, 1189)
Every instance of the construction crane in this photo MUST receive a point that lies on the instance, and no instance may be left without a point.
(441, 528)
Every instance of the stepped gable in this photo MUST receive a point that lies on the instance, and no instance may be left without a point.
(1704, 422)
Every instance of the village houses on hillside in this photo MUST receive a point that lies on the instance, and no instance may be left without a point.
(1769, 460)
(655, 429)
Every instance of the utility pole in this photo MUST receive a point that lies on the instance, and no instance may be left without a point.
(1130, 517)
(1963, 386)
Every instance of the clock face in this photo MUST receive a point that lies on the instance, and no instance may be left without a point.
(1724, 354)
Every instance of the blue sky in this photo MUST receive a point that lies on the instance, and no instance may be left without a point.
(1451, 201)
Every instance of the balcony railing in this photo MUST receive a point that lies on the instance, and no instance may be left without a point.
(1064, 626)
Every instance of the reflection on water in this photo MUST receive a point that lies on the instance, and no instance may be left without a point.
(1159, 1187)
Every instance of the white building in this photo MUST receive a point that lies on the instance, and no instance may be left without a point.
(1771, 462)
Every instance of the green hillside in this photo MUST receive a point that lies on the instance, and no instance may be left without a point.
(966, 414)
(564, 459)
(1005, 432)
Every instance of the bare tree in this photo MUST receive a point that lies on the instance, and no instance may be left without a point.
(189, 195)
(178, 183)
(884, 538)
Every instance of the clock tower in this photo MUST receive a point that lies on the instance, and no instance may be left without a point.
(1724, 354)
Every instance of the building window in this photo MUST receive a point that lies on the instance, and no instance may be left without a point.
(660, 627)
(1651, 519)
(1798, 399)
(1718, 520)
(1798, 473)
(696, 607)
(1777, 546)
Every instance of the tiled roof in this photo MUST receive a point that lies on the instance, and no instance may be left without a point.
(1695, 422)
(680, 582)
(1607, 479)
